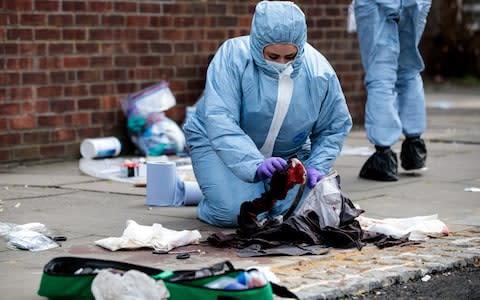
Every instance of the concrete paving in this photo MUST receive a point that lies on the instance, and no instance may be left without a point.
(86, 209)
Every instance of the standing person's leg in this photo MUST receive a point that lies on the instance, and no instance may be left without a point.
(411, 96)
(223, 191)
(377, 29)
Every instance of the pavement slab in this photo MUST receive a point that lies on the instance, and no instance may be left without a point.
(86, 209)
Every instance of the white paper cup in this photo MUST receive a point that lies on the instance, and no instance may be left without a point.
(161, 183)
(100, 147)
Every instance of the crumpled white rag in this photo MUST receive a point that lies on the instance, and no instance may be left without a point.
(155, 236)
(419, 227)
(133, 285)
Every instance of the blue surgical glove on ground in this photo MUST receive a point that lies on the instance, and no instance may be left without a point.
(269, 166)
(313, 176)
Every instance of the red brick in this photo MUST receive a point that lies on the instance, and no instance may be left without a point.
(87, 20)
(19, 63)
(216, 34)
(41, 106)
(23, 122)
(19, 5)
(103, 118)
(76, 90)
(58, 77)
(9, 79)
(74, 34)
(28, 152)
(161, 48)
(86, 48)
(102, 89)
(136, 74)
(74, 6)
(78, 119)
(100, 34)
(109, 102)
(60, 106)
(149, 60)
(109, 75)
(19, 34)
(89, 76)
(89, 103)
(113, 20)
(48, 34)
(100, 6)
(50, 62)
(37, 137)
(62, 48)
(46, 5)
(20, 93)
(175, 9)
(60, 20)
(49, 151)
(33, 19)
(75, 62)
(125, 61)
(184, 47)
(125, 7)
(124, 34)
(146, 34)
(5, 155)
(50, 121)
(63, 135)
(89, 132)
(9, 139)
(127, 88)
(138, 21)
(227, 21)
(151, 8)
(101, 61)
(49, 91)
(216, 9)
(34, 78)
(161, 21)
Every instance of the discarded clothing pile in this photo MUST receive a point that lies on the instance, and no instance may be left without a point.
(325, 218)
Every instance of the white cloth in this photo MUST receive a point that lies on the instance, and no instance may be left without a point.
(155, 236)
(419, 227)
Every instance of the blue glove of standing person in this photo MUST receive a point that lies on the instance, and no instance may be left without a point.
(269, 166)
(313, 176)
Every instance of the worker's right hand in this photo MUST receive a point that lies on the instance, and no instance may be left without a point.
(269, 166)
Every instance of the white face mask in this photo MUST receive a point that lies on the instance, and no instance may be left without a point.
(278, 66)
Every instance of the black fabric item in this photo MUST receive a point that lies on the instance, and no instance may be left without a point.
(256, 250)
(385, 241)
(381, 166)
(413, 154)
(310, 228)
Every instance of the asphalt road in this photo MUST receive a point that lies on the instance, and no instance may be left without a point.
(458, 284)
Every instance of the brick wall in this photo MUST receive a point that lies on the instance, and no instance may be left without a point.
(65, 65)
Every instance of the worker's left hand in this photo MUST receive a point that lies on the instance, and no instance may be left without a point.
(313, 176)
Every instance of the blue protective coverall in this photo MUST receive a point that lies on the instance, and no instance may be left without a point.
(234, 115)
(389, 32)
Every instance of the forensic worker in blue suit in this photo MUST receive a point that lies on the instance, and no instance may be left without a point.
(389, 32)
(268, 96)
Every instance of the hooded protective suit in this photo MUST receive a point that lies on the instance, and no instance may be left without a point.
(232, 132)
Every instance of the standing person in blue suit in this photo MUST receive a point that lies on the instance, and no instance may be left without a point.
(389, 32)
(268, 96)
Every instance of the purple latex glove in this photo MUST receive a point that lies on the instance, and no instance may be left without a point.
(269, 166)
(313, 176)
